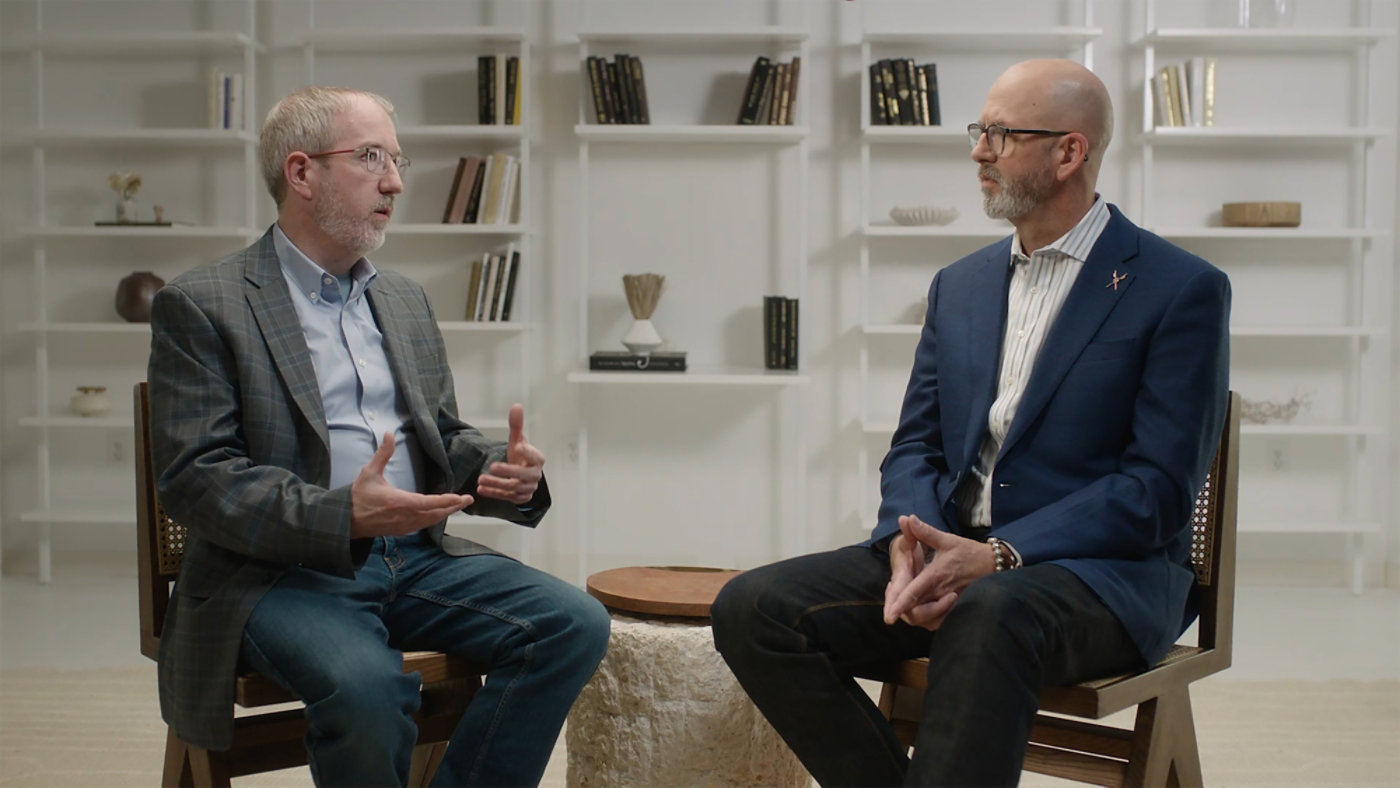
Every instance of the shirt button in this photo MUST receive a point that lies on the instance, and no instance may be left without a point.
(1035, 290)
(314, 298)
(1021, 333)
(327, 280)
(361, 362)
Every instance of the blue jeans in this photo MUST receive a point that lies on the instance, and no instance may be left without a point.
(798, 632)
(336, 643)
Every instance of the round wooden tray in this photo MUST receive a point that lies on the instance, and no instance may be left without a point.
(681, 591)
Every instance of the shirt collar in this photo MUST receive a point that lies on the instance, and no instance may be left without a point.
(307, 277)
(1074, 244)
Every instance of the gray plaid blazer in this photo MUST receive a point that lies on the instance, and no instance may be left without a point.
(239, 435)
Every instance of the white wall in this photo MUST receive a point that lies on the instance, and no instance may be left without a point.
(677, 475)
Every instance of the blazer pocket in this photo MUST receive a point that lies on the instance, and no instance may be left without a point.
(1109, 351)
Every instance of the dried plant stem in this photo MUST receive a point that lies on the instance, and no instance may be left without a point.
(643, 291)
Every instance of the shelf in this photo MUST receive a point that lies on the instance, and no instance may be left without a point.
(722, 376)
(1263, 233)
(439, 228)
(933, 231)
(1282, 40)
(174, 231)
(459, 133)
(408, 39)
(1313, 430)
(97, 135)
(1306, 332)
(705, 36)
(911, 134)
(1308, 527)
(90, 327)
(135, 44)
(78, 422)
(79, 517)
(983, 39)
(592, 132)
(481, 327)
(1212, 135)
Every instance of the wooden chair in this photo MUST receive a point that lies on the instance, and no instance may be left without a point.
(1160, 749)
(269, 739)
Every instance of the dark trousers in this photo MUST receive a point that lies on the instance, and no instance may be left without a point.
(795, 633)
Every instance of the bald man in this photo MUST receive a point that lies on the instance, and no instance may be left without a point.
(1066, 396)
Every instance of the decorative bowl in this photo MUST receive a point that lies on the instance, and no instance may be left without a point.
(923, 214)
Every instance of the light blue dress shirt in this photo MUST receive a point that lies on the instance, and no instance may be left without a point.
(357, 385)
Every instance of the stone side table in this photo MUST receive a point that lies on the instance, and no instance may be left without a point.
(663, 708)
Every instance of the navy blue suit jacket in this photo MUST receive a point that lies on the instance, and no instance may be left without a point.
(1113, 437)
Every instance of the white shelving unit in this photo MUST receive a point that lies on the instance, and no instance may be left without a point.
(419, 236)
(1346, 254)
(881, 333)
(61, 236)
(706, 371)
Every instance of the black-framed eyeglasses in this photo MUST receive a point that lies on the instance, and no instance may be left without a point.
(996, 135)
(375, 158)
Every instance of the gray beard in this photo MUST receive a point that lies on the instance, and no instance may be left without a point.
(1019, 197)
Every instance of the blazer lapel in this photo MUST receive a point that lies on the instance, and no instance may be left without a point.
(986, 322)
(1104, 279)
(272, 307)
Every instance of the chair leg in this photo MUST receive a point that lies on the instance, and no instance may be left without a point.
(176, 771)
(209, 768)
(1164, 743)
(426, 759)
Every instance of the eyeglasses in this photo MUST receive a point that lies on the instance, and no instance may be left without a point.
(996, 135)
(375, 158)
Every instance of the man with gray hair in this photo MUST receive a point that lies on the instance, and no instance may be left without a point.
(305, 431)
(1066, 396)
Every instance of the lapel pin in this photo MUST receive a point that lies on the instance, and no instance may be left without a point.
(1117, 278)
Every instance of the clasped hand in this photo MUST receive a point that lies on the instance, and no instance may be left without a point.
(380, 509)
(928, 569)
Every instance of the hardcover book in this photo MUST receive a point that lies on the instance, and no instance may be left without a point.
(624, 361)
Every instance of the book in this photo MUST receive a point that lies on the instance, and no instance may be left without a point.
(770, 332)
(791, 339)
(904, 91)
(489, 269)
(629, 89)
(457, 197)
(935, 114)
(748, 108)
(794, 70)
(512, 89)
(1183, 93)
(644, 115)
(765, 99)
(1161, 107)
(920, 78)
(498, 72)
(1208, 92)
(475, 176)
(626, 361)
(473, 288)
(595, 82)
(877, 97)
(485, 90)
(780, 82)
(614, 92)
(510, 283)
(1169, 77)
(891, 97)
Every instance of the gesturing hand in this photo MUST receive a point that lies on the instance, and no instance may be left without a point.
(516, 479)
(377, 508)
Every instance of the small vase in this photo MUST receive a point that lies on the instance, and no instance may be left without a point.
(126, 211)
(642, 338)
(91, 401)
(134, 294)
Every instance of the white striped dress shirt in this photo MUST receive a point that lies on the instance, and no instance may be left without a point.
(1039, 284)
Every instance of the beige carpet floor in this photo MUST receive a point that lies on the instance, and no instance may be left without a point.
(68, 729)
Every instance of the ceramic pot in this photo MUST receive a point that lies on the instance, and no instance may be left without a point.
(642, 338)
(126, 211)
(134, 294)
(91, 401)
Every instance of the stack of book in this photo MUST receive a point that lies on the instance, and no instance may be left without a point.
(225, 100)
(619, 89)
(498, 86)
(485, 190)
(903, 93)
(779, 332)
(771, 93)
(1184, 93)
(491, 286)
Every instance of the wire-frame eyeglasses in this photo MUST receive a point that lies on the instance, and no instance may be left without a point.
(375, 158)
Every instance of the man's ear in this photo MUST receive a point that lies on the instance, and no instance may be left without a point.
(1075, 154)
(297, 170)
